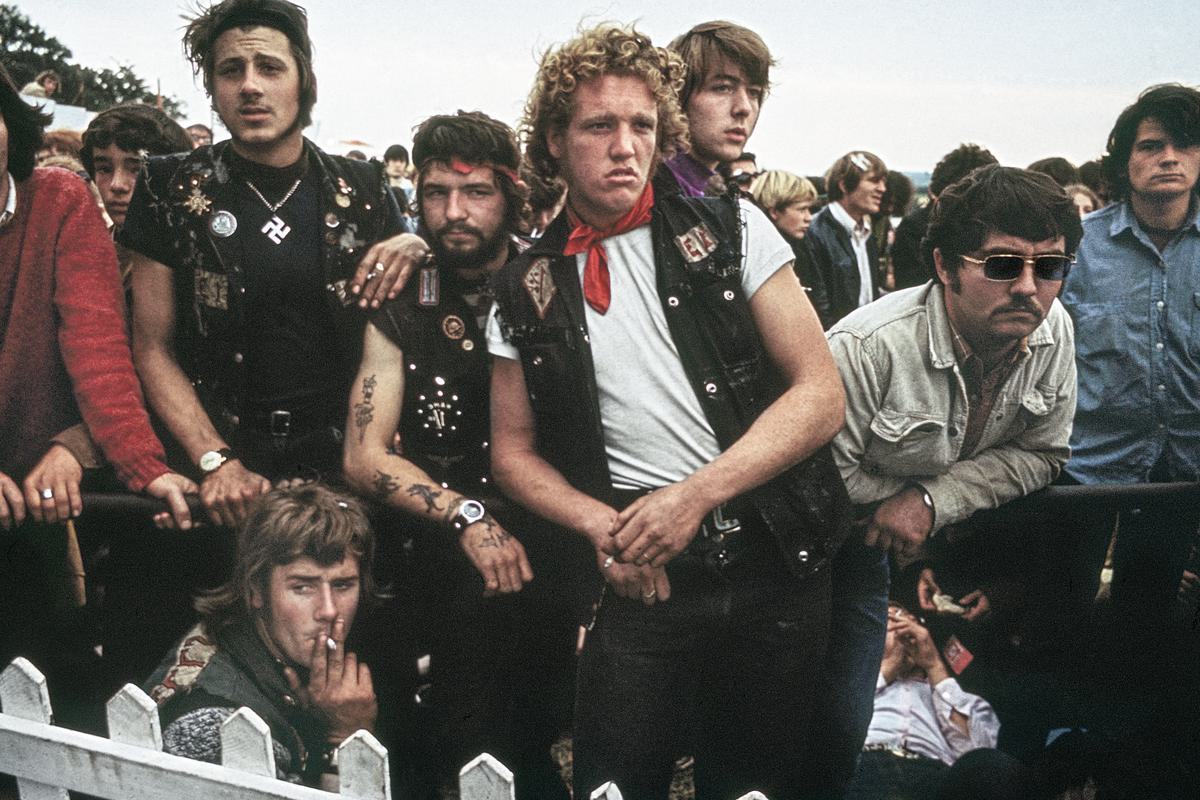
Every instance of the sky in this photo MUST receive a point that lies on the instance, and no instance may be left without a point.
(906, 79)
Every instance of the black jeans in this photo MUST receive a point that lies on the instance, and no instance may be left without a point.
(883, 776)
(725, 670)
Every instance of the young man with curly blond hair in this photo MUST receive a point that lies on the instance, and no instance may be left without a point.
(660, 387)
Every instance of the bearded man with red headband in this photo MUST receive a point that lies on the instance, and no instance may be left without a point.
(425, 373)
(661, 389)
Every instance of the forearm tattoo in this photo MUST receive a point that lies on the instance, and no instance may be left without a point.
(364, 411)
(426, 493)
(384, 485)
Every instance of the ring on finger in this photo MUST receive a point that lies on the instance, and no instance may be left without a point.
(608, 562)
(378, 269)
(47, 493)
(650, 594)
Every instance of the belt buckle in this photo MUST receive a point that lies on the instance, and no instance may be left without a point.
(281, 424)
(716, 526)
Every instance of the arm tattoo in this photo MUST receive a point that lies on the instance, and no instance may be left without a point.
(364, 411)
(426, 493)
(384, 485)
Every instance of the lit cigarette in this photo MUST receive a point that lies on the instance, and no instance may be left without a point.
(331, 644)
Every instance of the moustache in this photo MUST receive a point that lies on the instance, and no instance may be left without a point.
(1024, 308)
(458, 227)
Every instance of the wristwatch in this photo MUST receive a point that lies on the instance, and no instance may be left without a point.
(927, 499)
(211, 461)
(469, 511)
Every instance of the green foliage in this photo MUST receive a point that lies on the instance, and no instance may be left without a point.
(26, 49)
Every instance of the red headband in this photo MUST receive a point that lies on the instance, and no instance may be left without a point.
(463, 168)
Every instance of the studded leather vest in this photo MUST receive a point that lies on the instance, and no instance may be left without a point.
(697, 248)
(187, 197)
(445, 423)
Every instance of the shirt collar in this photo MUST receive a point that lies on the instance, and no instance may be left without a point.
(840, 213)
(1125, 219)
(10, 207)
(691, 175)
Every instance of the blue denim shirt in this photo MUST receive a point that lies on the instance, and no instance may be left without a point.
(1137, 342)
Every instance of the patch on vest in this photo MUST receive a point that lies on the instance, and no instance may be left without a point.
(696, 244)
(430, 291)
(540, 285)
(191, 657)
(212, 289)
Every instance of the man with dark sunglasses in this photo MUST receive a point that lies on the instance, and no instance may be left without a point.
(959, 398)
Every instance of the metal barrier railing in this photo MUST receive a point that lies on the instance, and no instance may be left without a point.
(1108, 496)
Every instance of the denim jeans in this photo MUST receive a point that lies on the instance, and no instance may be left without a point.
(725, 670)
(858, 626)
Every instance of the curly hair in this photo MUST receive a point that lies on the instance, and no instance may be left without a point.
(604, 50)
(200, 39)
(958, 164)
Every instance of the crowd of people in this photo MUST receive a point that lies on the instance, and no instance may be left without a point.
(597, 447)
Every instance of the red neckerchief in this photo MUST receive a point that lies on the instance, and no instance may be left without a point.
(584, 237)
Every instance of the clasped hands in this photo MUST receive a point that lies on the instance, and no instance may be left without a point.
(634, 546)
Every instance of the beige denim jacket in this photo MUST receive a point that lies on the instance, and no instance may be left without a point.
(906, 408)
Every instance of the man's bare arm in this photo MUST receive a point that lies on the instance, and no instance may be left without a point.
(808, 414)
(227, 492)
(523, 474)
(532, 481)
(372, 468)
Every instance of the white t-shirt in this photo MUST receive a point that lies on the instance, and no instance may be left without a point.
(655, 432)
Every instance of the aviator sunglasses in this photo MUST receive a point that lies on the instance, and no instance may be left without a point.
(1007, 268)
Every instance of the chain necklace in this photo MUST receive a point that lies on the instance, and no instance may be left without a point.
(275, 228)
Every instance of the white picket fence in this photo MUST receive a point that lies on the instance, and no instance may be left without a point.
(48, 760)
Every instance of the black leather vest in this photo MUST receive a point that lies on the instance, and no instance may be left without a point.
(188, 195)
(697, 247)
(445, 423)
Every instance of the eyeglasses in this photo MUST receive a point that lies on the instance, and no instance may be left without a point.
(1007, 268)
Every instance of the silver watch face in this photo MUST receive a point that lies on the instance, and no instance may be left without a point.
(211, 460)
(469, 512)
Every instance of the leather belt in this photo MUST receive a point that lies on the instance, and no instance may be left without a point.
(899, 751)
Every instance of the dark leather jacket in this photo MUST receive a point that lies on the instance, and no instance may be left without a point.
(833, 254)
(697, 246)
(185, 194)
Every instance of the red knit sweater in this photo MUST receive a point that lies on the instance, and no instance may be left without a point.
(64, 346)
